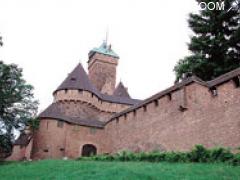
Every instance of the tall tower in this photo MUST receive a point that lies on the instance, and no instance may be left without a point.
(102, 66)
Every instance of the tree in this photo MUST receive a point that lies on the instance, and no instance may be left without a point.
(1, 43)
(17, 104)
(215, 45)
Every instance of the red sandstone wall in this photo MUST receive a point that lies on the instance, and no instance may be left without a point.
(78, 136)
(49, 140)
(18, 153)
(71, 138)
(211, 121)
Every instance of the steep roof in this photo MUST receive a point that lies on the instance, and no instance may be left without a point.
(103, 49)
(77, 79)
(56, 111)
(121, 91)
(23, 139)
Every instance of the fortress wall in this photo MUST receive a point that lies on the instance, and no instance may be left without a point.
(78, 136)
(89, 98)
(205, 119)
(49, 140)
(67, 140)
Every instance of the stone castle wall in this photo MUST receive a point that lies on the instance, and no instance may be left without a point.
(54, 142)
(178, 121)
(91, 99)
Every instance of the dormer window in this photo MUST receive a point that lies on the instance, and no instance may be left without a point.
(73, 79)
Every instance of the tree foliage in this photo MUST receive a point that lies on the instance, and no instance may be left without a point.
(17, 104)
(215, 45)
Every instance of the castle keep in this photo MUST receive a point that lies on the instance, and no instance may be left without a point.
(91, 115)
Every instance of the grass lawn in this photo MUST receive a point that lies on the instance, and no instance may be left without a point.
(70, 169)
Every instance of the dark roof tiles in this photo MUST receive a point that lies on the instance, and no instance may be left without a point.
(23, 139)
(121, 91)
(78, 80)
(56, 111)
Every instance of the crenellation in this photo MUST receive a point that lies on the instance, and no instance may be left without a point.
(87, 97)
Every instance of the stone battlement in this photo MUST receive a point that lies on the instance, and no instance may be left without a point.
(90, 98)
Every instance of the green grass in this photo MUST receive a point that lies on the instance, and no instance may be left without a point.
(70, 169)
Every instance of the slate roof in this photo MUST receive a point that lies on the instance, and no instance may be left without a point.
(78, 80)
(23, 139)
(225, 77)
(121, 91)
(103, 49)
(55, 111)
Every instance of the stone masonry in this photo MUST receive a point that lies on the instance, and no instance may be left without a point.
(90, 115)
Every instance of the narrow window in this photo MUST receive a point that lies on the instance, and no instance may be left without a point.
(134, 113)
(92, 95)
(236, 82)
(144, 108)
(214, 91)
(65, 90)
(62, 149)
(60, 124)
(156, 102)
(169, 96)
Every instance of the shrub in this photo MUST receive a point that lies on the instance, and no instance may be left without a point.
(197, 154)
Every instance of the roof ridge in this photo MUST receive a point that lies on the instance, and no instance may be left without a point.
(121, 91)
(78, 79)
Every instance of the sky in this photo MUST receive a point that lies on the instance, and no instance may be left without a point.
(48, 38)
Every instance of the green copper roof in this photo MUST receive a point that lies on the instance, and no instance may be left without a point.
(104, 49)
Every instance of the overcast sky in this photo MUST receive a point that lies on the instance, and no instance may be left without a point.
(48, 38)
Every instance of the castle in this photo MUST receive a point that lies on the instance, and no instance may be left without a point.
(90, 115)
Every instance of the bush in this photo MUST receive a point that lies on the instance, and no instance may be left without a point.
(198, 154)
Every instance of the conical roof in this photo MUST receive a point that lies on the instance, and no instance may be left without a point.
(77, 79)
(121, 91)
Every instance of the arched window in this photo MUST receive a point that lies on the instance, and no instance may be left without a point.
(89, 150)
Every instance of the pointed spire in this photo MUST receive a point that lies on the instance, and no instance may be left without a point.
(77, 79)
(121, 91)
